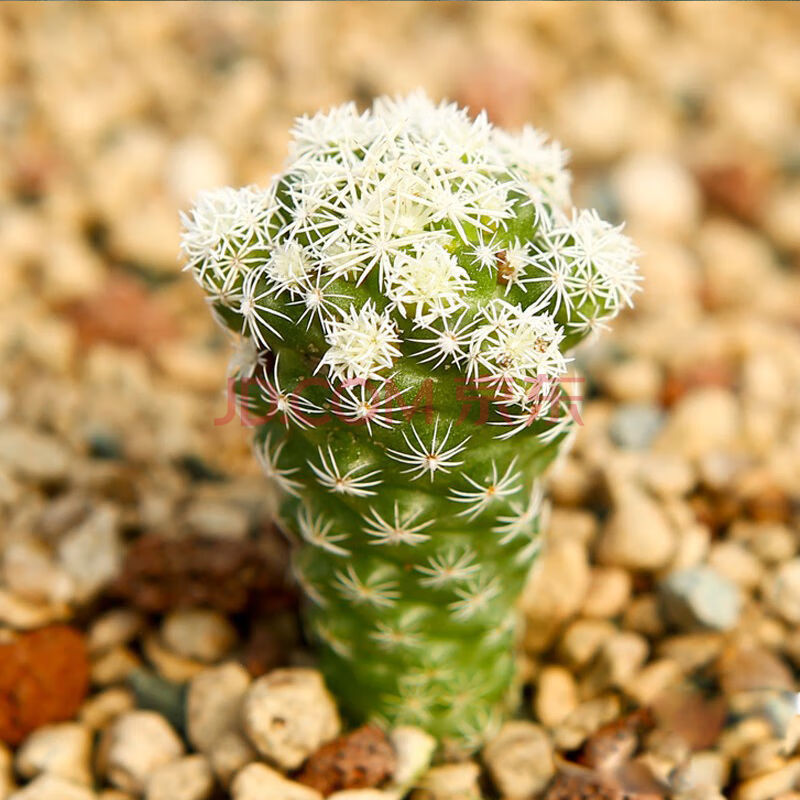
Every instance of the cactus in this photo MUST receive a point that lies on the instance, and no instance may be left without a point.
(403, 296)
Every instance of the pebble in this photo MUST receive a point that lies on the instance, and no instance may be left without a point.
(702, 420)
(100, 709)
(136, 744)
(667, 474)
(643, 615)
(734, 561)
(707, 768)
(169, 665)
(229, 754)
(29, 571)
(22, 615)
(116, 627)
(288, 714)
(188, 778)
(692, 650)
(33, 455)
(520, 759)
(414, 749)
(555, 591)
(769, 786)
(618, 659)
(634, 380)
(673, 210)
(556, 695)
(700, 598)
(63, 750)
(653, 679)
(92, 552)
(450, 782)
(200, 634)
(214, 704)
(6, 772)
(781, 590)
(633, 426)
(582, 639)
(114, 666)
(51, 787)
(585, 720)
(609, 593)
(220, 520)
(258, 781)
(363, 794)
(637, 536)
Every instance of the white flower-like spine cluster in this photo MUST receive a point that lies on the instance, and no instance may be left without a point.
(420, 196)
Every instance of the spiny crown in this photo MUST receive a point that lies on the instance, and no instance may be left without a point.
(412, 231)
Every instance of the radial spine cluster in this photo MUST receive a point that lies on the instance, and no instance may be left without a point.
(404, 295)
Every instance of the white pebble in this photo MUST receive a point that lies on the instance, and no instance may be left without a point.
(450, 782)
(258, 781)
(288, 714)
(213, 704)
(63, 750)
(187, 778)
(229, 754)
(414, 749)
(136, 744)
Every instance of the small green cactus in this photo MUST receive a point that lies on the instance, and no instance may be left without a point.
(404, 294)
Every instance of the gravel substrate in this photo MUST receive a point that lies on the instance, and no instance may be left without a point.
(149, 644)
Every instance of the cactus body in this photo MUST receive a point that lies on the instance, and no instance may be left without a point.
(404, 294)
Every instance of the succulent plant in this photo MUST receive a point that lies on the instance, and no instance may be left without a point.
(404, 295)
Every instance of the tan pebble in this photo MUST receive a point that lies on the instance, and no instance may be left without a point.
(555, 590)
(33, 455)
(618, 659)
(258, 781)
(6, 772)
(771, 542)
(735, 562)
(556, 695)
(702, 420)
(644, 616)
(760, 758)
(450, 782)
(582, 639)
(609, 592)
(114, 794)
(63, 750)
(230, 753)
(674, 210)
(667, 474)
(137, 743)
(213, 704)
(22, 615)
(781, 215)
(635, 380)
(201, 634)
(100, 709)
(692, 544)
(585, 720)
(51, 787)
(706, 769)
(770, 785)
(222, 520)
(169, 665)
(652, 679)
(520, 759)
(188, 778)
(637, 535)
(737, 738)
(692, 650)
(116, 627)
(114, 666)
(571, 523)
(288, 714)
(570, 481)
(781, 591)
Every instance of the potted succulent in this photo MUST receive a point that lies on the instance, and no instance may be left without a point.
(404, 295)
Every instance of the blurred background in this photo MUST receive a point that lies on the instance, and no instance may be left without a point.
(671, 579)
